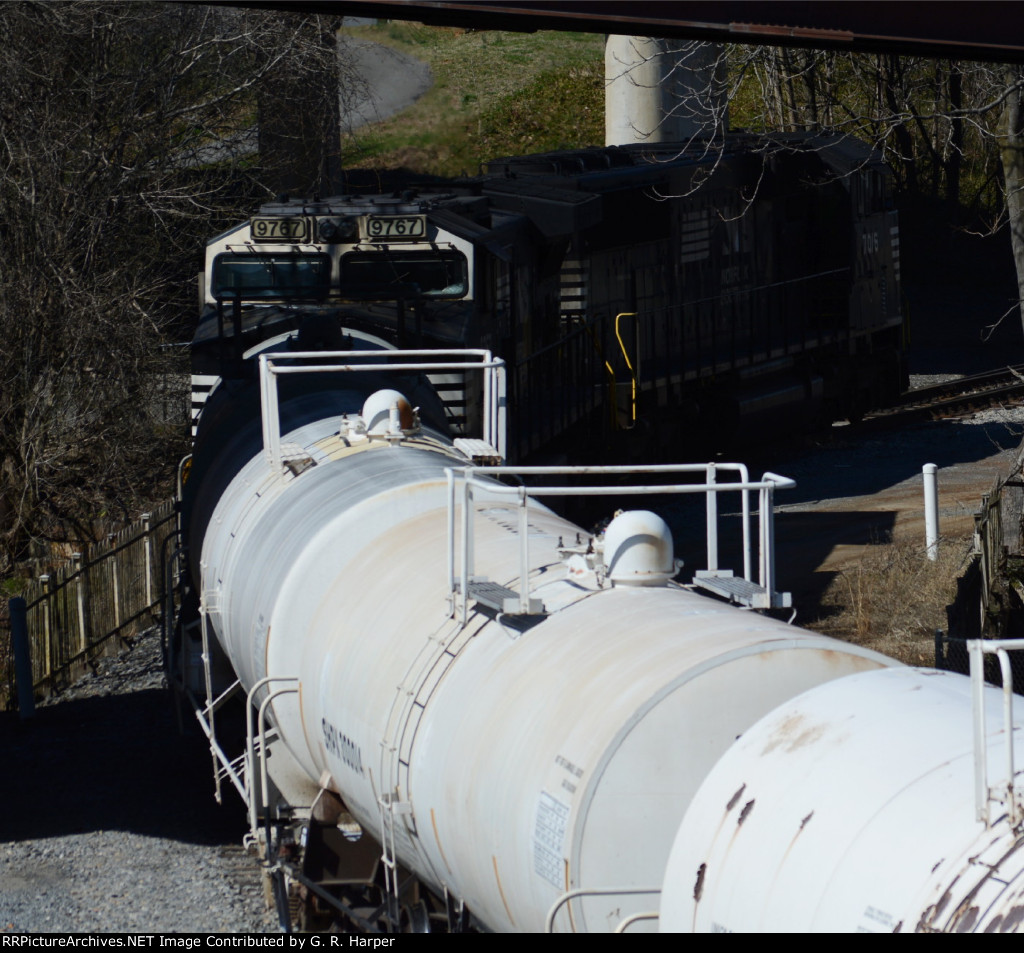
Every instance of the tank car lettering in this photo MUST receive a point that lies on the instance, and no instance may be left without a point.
(573, 769)
(502, 519)
(880, 917)
(330, 737)
(341, 746)
(548, 837)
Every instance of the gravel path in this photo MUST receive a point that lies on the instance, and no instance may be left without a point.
(108, 821)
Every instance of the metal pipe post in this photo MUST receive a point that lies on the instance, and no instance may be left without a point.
(931, 511)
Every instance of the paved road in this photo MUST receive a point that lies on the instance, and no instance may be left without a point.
(389, 82)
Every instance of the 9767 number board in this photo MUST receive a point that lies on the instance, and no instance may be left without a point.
(396, 227)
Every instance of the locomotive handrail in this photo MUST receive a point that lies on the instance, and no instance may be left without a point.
(494, 385)
(629, 365)
(472, 476)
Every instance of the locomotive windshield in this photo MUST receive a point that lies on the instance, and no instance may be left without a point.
(271, 276)
(396, 274)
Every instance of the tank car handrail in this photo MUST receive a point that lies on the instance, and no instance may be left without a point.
(636, 918)
(250, 742)
(983, 794)
(475, 476)
(493, 369)
(578, 892)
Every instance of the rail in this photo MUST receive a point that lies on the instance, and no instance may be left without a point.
(714, 578)
(276, 364)
(67, 617)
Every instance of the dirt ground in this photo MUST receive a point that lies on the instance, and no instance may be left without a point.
(866, 489)
(856, 516)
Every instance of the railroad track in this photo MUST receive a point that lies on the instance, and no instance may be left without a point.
(966, 395)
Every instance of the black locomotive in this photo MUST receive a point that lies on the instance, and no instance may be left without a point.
(646, 299)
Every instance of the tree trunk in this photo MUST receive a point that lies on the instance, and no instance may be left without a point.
(1013, 175)
(954, 161)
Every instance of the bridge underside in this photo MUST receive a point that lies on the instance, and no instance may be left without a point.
(981, 30)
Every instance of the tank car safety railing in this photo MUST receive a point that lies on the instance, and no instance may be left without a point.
(477, 477)
(258, 798)
(275, 364)
(206, 713)
(581, 892)
(1004, 793)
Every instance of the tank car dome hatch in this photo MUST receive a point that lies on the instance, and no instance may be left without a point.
(377, 412)
(638, 549)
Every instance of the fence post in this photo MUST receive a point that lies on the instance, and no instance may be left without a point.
(44, 581)
(22, 657)
(76, 562)
(148, 542)
(114, 584)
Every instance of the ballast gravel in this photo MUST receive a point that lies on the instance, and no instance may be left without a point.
(108, 820)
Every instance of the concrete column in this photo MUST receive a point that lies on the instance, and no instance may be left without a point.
(659, 90)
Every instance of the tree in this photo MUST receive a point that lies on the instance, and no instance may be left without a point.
(1012, 155)
(126, 139)
(950, 131)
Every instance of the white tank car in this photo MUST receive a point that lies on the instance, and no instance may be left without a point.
(859, 806)
(505, 743)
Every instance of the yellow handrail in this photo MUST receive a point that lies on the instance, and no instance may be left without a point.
(629, 364)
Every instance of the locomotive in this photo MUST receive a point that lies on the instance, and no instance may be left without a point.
(645, 298)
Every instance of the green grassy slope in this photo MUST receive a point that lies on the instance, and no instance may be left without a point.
(494, 94)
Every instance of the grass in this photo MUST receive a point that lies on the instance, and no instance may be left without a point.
(494, 93)
(894, 599)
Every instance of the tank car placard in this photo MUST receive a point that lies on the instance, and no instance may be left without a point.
(548, 838)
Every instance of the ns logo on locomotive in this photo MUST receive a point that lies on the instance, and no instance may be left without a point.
(459, 710)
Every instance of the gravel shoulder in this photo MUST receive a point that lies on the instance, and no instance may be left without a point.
(109, 823)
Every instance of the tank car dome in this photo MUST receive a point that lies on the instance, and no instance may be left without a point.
(638, 549)
(377, 411)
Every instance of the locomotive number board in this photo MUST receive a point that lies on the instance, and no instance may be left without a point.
(278, 230)
(396, 227)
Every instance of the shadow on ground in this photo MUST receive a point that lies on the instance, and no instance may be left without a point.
(111, 763)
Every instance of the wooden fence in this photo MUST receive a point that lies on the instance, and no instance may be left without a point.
(92, 603)
(989, 602)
